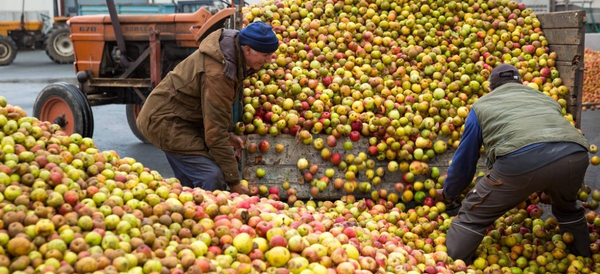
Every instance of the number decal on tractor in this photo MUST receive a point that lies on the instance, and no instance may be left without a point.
(87, 29)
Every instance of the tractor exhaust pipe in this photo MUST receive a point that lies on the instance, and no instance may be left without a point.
(114, 18)
(55, 2)
(23, 15)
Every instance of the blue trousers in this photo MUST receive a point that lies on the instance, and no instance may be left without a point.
(197, 171)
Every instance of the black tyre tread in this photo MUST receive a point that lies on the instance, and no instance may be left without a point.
(129, 111)
(90, 119)
(78, 103)
(88, 129)
(48, 45)
(13, 46)
(88, 124)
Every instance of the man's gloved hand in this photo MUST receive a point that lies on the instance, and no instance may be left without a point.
(545, 198)
(452, 206)
(241, 189)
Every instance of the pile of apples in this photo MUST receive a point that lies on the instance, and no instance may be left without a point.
(67, 207)
(404, 72)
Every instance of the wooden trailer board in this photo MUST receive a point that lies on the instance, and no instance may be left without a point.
(281, 167)
(564, 32)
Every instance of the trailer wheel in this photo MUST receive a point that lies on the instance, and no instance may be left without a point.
(8, 50)
(59, 46)
(132, 111)
(63, 104)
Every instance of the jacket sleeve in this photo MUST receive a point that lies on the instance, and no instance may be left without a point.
(218, 95)
(464, 163)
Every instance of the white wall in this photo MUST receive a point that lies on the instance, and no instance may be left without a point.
(13, 7)
(595, 3)
(592, 41)
(30, 5)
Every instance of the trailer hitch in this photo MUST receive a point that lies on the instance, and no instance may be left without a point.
(61, 121)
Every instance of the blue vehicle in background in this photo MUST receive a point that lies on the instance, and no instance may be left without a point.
(91, 9)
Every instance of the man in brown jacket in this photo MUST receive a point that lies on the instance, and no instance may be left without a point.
(189, 114)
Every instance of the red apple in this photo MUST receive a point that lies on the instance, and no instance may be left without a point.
(278, 240)
(264, 146)
(262, 227)
(354, 136)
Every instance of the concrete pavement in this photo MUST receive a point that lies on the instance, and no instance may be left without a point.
(36, 67)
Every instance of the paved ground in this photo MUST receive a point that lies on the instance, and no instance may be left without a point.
(32, 71)
(36, 67)
(590, 125)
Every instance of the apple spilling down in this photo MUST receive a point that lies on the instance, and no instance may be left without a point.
(401, 74)
(67, 207)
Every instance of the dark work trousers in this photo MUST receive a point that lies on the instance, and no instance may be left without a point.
(197, 171)
(495, 193)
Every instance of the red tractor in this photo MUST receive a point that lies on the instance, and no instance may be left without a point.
(120, 59)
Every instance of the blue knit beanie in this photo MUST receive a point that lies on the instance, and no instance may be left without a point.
(260, 37)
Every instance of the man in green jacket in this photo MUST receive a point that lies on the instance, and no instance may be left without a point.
(189, 114)
(529, 146)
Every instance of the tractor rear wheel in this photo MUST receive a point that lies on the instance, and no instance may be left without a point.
(59, 46)
(8, 50)
(63, 104)
(132, 111)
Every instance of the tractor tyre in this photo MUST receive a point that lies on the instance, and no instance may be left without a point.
(63, 104)
(132, 111)
(8, 50)
(59, 46)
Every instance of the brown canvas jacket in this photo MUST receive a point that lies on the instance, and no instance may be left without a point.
(190, 111)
